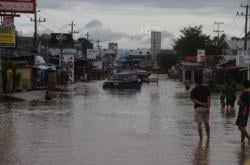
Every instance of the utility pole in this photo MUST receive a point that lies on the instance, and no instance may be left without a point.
(98, 47)
(35, 28)
(246, 15)
(218, 31)
(87, 35)
(98, 44)
(72, 32)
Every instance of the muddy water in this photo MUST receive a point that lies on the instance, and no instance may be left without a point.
(87, 125)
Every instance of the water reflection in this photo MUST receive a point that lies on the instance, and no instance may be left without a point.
(7, 108)
(201, 154)
(242, 154)
(89, 125)
(6, 137)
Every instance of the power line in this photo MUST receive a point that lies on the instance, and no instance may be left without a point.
(218, 31)
(36, 21)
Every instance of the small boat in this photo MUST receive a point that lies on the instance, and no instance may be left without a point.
(123, 80)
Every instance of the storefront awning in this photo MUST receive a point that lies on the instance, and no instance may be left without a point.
(45, 67)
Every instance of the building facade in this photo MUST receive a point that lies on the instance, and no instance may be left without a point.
(114, 46)
(155, 44)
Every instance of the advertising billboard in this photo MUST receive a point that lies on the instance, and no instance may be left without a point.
(18, 6)
(61, 40)
(7, 36)
(201, 55)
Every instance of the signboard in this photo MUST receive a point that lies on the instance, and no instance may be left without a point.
(18, 6)
(201, 56)
(7, 36)
(68, 65)
(190, 58)
(8, 20)
(61, 40)
(92, 54)
(97, 64)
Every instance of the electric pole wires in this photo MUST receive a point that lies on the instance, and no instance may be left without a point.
(72, 32)
(246, 15)
(36, 21)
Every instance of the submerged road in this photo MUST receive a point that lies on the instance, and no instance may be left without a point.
(87, 125)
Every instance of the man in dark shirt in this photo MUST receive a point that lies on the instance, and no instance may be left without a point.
(201, 98)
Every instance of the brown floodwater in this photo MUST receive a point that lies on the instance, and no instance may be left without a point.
(87, 125)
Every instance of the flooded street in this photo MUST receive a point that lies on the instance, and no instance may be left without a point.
(90, 126)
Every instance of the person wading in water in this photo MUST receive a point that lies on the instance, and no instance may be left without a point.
(201, 98)
(243, 113)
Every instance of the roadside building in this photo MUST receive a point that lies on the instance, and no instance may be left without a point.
(108, 59)
(188, 69)
(229, 72)
(139, 58)
(114, 46)
(155, 44)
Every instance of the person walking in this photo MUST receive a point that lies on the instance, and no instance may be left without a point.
(222, 99)
(9, 74)
(47, 96)
(201, 97)
(234, 91)
(187, 84)
(243, 113)
(229, 96)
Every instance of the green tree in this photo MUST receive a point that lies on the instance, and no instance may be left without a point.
(86, 44)
(192, 39)
(167, 60)
(220, 43)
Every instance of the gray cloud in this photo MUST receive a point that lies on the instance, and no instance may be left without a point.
(229, 4)
(105, 34)
(166, 34)
(97, 31)
(94, 24)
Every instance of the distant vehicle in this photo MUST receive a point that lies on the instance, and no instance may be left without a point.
(123, 80)
(142, 74)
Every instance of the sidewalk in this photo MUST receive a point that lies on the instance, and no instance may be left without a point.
(37, 94)
(29, 96)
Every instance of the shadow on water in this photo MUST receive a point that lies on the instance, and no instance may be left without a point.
(121, 93)
(243, 155)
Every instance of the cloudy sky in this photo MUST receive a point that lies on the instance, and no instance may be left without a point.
(129, 22)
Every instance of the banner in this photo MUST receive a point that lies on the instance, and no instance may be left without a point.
(18, 6)
(7, 36)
